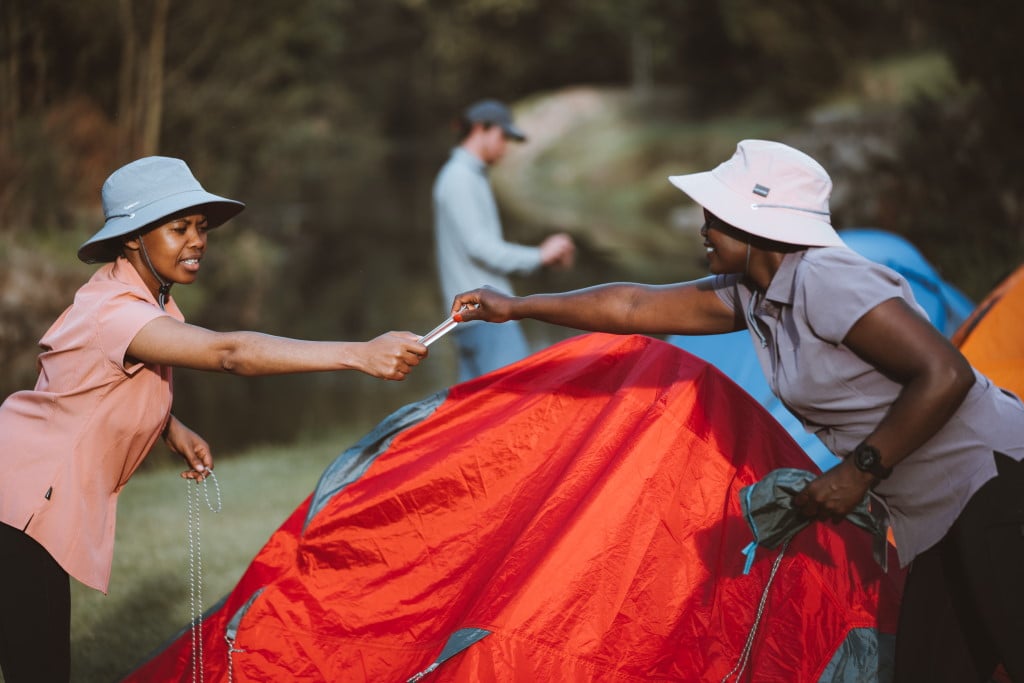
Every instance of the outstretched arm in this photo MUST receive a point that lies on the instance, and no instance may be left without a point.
(621, 308)
(936, 379)
(166, 341)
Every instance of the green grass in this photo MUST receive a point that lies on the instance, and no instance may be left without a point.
(148, 601)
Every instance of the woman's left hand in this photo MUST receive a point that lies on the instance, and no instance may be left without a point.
(835, 493)
(190, 446)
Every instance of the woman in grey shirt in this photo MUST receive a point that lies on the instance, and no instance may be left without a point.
(844, 344)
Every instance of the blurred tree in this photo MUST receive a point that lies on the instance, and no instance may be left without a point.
(789, 54)
(140, 99)
(377, 78)
(956, 186)
(45, 57)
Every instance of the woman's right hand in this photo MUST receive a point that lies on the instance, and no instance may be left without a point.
(485, 303)
(391, 355)
(190, 446)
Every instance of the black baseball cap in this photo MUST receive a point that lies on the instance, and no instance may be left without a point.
(494, 112)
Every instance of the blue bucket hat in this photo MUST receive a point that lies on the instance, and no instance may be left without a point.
(145, 191)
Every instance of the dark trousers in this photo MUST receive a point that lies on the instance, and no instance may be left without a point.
(35, 612)
(963, 603)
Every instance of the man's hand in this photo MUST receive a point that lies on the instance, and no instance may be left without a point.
(558, 251)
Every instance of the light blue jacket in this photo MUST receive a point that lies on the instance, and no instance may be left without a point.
(471, 249)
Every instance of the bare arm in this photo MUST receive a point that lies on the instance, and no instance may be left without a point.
(622, 308)
(935, 377)
(166, 341)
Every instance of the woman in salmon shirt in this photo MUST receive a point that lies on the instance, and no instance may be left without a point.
(103, 397)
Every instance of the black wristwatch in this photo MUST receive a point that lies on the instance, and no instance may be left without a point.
(867, 459)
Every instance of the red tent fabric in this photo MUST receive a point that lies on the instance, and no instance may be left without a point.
(573, 517)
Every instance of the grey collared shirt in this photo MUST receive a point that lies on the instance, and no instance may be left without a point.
(798, 326)
(471, 249)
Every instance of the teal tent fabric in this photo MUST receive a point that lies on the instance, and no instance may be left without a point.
(773, 520)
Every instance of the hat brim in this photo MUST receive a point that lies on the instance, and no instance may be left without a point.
(786, 225)
(513, 132)
(103, 247)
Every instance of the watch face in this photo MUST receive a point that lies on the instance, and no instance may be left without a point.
(865, 457)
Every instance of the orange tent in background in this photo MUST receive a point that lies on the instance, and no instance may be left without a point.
(992, 338)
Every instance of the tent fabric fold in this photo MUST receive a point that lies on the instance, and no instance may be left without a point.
(572, 517)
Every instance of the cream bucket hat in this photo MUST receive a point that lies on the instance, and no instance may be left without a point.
(770, 190)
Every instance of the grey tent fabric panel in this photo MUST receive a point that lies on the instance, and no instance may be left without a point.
(457, 642)
(351, 464)
(767, 506)
(866, 656)
(231, 630)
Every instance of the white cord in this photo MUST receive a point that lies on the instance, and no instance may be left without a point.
(195, 565)
(744, 659)
(231, 650)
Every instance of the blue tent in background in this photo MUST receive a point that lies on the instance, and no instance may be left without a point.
(733, 354)
(947, 307)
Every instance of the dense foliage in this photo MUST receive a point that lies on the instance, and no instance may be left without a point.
(329, 117)
(271, 101)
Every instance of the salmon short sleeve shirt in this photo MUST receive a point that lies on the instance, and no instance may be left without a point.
(68, 446)
(798, 326)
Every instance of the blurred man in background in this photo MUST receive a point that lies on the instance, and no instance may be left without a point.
(471, 248)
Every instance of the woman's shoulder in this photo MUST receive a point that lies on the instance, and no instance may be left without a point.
(835, 286)
(115, 292)
(837, 266)
(825, 257)
(111, 282)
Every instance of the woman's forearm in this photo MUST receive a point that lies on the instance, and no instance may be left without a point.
(603, 308)
(165, 341)
(255, 353)
(620, 308)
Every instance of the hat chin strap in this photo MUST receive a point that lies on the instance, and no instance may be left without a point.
(165, 287)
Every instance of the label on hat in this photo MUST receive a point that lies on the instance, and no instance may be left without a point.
(761, 190)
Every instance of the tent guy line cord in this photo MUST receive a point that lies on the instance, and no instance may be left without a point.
(744, 659)
(195, 564)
